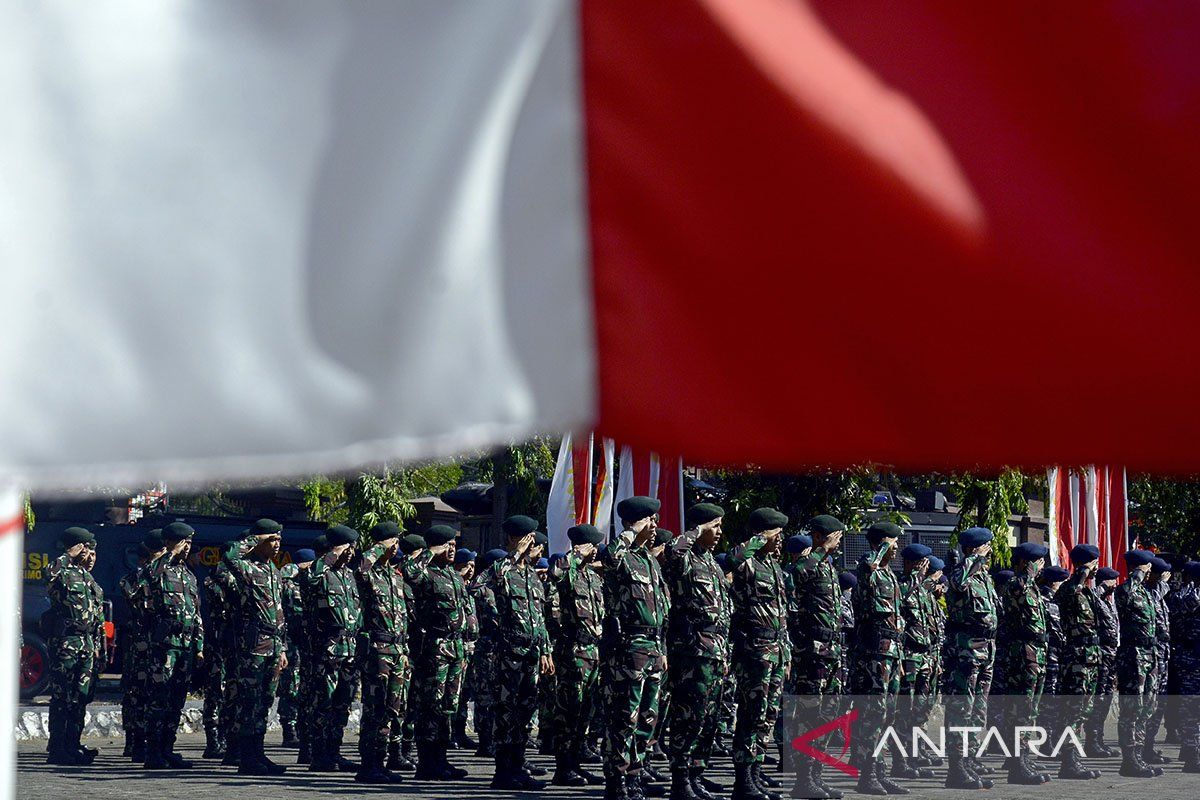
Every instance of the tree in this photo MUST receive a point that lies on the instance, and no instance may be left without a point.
(372, 497)
(1166, 513)
(988, 503)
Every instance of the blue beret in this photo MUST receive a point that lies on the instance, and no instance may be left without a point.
(542, 564)
(798, 543)
(1003, 576)
(847, 580)
(825, 524)
(463, 556)
(916, 551)
(1192, 569)
(382, 531)
(703, 513)
(1030, 551)
(304, 555)
(518, 525)
(265, 527)
(974, 537)
(439, 535)
(883, 530)
(1107, 574)
(633, 509)
(341, 534)
(1054, 574)
(1135, 558)
(556, 557)
(723, 562)
(766, 519)
(585, 534)
(1159, 565)
(491, 557)
(936, 564)
(1084, 553)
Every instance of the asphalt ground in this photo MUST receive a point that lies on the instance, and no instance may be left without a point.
(112, 776)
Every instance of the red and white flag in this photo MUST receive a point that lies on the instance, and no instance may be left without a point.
(645, 474)
(1088, 505)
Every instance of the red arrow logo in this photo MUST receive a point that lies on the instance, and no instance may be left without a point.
(842, 723)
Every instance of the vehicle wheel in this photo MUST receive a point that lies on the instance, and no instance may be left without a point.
(35, 666)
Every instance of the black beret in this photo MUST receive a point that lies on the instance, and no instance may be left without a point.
(766, 519)
(519, 525)
(1135, 558)
(341, 534)
(439, 535)
(1192, 569)
(1053, 574)
(663, 536)
(797, 543)
(974, 537)
(411, 542)
(916, 551)
(1107, 574)
(1030, 551)
(883, 530)
(321, 544)
(936, 564)
(847, 580)
(703, 513)
(633, 509)
(585, 534)
(1084, 553)
(177, 532)
(825, 524)
(265, 527)
(541, 538)
(75, 535)
(1158, 564)
(153, 541)
(382, 531)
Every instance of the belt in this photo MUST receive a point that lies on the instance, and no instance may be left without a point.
(648, 631)
(820, 634)
(971, 629)
(386, 637)
(766, 634)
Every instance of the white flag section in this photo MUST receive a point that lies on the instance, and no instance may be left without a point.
(12, 530)
(562, 502)
(253, 239)
(603, 510)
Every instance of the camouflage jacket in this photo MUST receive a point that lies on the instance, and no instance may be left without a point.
(174, 605)
(336, 609)
(636, 599)
(700, 605)
(134, 592)
(1136, 612)
(815, 606)
(878, 621)
(916, 607)
(406, 567)
(1024, 629)
(259, 601)
(1162, 618)
(581, 604)
(384, 608)
(76, 606)
(1184, 606)
(293, 607)
(1081, 634)
(470, 617)
(220, 608)
(438, 593)
(971, 603)
(760, 601)
(485, 611)
(1107, 624)
(520, 607)
(1055, 643)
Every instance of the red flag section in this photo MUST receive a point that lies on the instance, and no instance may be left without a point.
(847, 232)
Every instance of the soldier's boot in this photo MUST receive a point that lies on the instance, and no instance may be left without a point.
(614, 788)
(697, 780)
(154, 749)
(978, 767)
(130, 737)
(817, 769)
(652, 775)
(343, 764)
(248, 763)
(960, 776)
(744, 787)
(969, 764)
(304, 754)
(212, 743)
(1190, 756)
(565, 773)
(764, 782)
(577, 764)
(233, 752)
(902, 768)
(400, 759)
(509, 772)
(681, 786)
(373, 769)
(1133, 767)
(635, 787)
(1072, 768)
(449, 772)
(138, 752)
(1153, 757)
(805, 785)
(290, 739)
(591, 754)
(322, 754)
(461, 740)
(1093, 743)
(649, 788)
(261, 756)
(1022, 773)
(428, 768)
(889, 785)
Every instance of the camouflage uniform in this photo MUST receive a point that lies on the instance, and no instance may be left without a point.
(846, 611)
(971, 645)
(1184, 605)
(135, 661)
(1055, 642)
(336, 622)
(466, 692)
(76, 649)
(385, 625)
(698, 642)
(1162, 633)
(1023, 636)
(816, 609)
(483, 665)
(1079, 666)
(878, 651)
(580, 592)
(405, 733)
(220, 655)
(1109, 628)
(1137, 660)
(176, 639)
(438, 594)
(636, 605)
(292, 709)
(548, 722)
(918, 683)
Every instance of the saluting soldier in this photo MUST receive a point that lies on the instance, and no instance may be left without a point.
(484, 666)
(1110, 639)
(1159, 584)
(1137, 664)
(76, 645)
(309, 679)
(918, 686)
(580, 592)
(1049, 582)
(464, 562)
(176, 644)
(403, 736)
(1079, 664)
(293, 711)
(135, 651)
(220, 656)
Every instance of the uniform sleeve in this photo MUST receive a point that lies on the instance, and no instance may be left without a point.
(746, 550)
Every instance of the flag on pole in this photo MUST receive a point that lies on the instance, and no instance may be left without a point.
(644, 473)
(12, 531)
(1088, 505)
(603, 503)
(570, 501)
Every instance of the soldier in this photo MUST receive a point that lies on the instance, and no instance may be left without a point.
(698, 647)
(847, 582)
(336, 621)
(1184, 604)
(816, 636)
(438, 592)
(1137, 664)
(293, 711)
(879, 649)
(935, 580)
(464, 562)
(917, 681)
(971, 650)
(261, 653)
(548, 723)
(580, 592)
(636, 607)
(654, 751)
(1079, 663)
(1049, 581)
(726, 717)
(403, 736)
(76, 644)
(176, 644)
(385, 625)
(135, 668)
(220, 645)
(1106, 683)
(1159, 584)
(1023, 636)
(484, 665)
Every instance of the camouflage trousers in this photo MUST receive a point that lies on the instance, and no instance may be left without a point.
(634, 677)
(405, 729)
(135, 685)
(1162, 682)
(516, 698)
(289, 689)
(758, 669)
(1077, 683)
(383, 703)
(970, 660)
(727, 713)
(1106, 685)
(876, 678)
(438, 676)
(466, 691)
(1025, 681)
(257, 679)
(1136, 670)
(1187, 683)
(548, 722)
(334, 682)
(170, 676)
(72, 683)
(918, 692)
(696, 685)
(220, 668)
(578, 672)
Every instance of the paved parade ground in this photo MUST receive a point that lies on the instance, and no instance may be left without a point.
(114, 777)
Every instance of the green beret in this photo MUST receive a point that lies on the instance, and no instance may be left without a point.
(153, 541)
(177, 532)
(411, 543)
(663, 536)
(519, 525)
(766, 519)
(73, 536)
(265, 527)
(825, 524)
(883, 530)
(703, 513)
(585, 534)
(440, 534)
(340, 534)
(385, 530)
(541, 538)
(634, 509)
(321, 544)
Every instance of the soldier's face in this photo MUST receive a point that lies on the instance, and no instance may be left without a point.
(268, 546)
(585, 551)
(75, 551)
(710, 533)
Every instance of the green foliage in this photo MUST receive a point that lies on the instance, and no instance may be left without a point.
(1166, 513)
(374, 497)
(30, 517)
(988, 502)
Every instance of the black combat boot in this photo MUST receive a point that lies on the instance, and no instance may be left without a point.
(903, 768)
(817, 769)
(890, 786)
(322, 754)
(648, 787)
(304, 754)
(1190, 756)
(1134, 767)
(764, 782)
(449, 772)
(428, 767)
(154, 749)
(744, 787)
(698, 781)
(1072, 768)
(1021, 773)
(373, 770)
(614, 788)
(960, 775)
(290, 740)
(343, 764)
(137, 753)
(233, 753)
(461, 740)
(212, 743)
(564, 772)
(1154, 757)
(681, 787)
(805, 786)
(591, 777)
(127, 751)
(868, 780)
